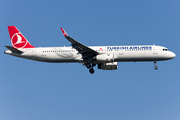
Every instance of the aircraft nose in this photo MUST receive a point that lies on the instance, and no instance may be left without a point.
(172, 55)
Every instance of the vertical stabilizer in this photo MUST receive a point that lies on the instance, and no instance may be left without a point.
(17, 39)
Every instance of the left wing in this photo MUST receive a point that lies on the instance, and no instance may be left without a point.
(82, 49)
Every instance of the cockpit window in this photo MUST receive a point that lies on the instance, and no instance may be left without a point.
(165, 50)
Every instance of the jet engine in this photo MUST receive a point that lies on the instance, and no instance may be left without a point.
(105, 57)
(108, 66)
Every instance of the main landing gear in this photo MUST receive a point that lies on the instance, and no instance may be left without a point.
(155, 67)
(90, 67)
(91, 70)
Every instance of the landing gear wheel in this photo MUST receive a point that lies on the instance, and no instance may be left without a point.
(88, 65)
(91, 70)
(155, 67)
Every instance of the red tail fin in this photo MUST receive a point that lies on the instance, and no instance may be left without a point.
(17, 39)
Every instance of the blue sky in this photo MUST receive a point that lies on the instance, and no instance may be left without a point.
(35, 90)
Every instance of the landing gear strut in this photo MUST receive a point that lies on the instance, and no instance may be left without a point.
(155, 67)
(90, 67)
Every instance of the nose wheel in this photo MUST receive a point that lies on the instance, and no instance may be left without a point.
(155, 66)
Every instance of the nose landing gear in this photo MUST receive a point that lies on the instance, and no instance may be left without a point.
(155, 67)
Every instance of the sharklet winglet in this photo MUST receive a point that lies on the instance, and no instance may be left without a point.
(64, 32)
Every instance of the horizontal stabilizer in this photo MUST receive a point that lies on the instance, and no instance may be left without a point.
(13, 49)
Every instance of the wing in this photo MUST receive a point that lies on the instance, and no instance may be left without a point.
(82, 49)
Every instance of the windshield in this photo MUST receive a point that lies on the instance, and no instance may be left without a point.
(165, 49)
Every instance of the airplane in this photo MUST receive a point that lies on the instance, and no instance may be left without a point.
(105, 57)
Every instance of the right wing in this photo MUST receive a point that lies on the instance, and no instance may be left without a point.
(82, 49)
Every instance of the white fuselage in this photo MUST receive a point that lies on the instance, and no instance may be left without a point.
(120, 53)
(105, 57)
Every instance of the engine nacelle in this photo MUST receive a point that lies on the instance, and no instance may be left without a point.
(105, 57)
(108, 66)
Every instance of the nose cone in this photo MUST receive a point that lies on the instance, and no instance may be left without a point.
(172, 55)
